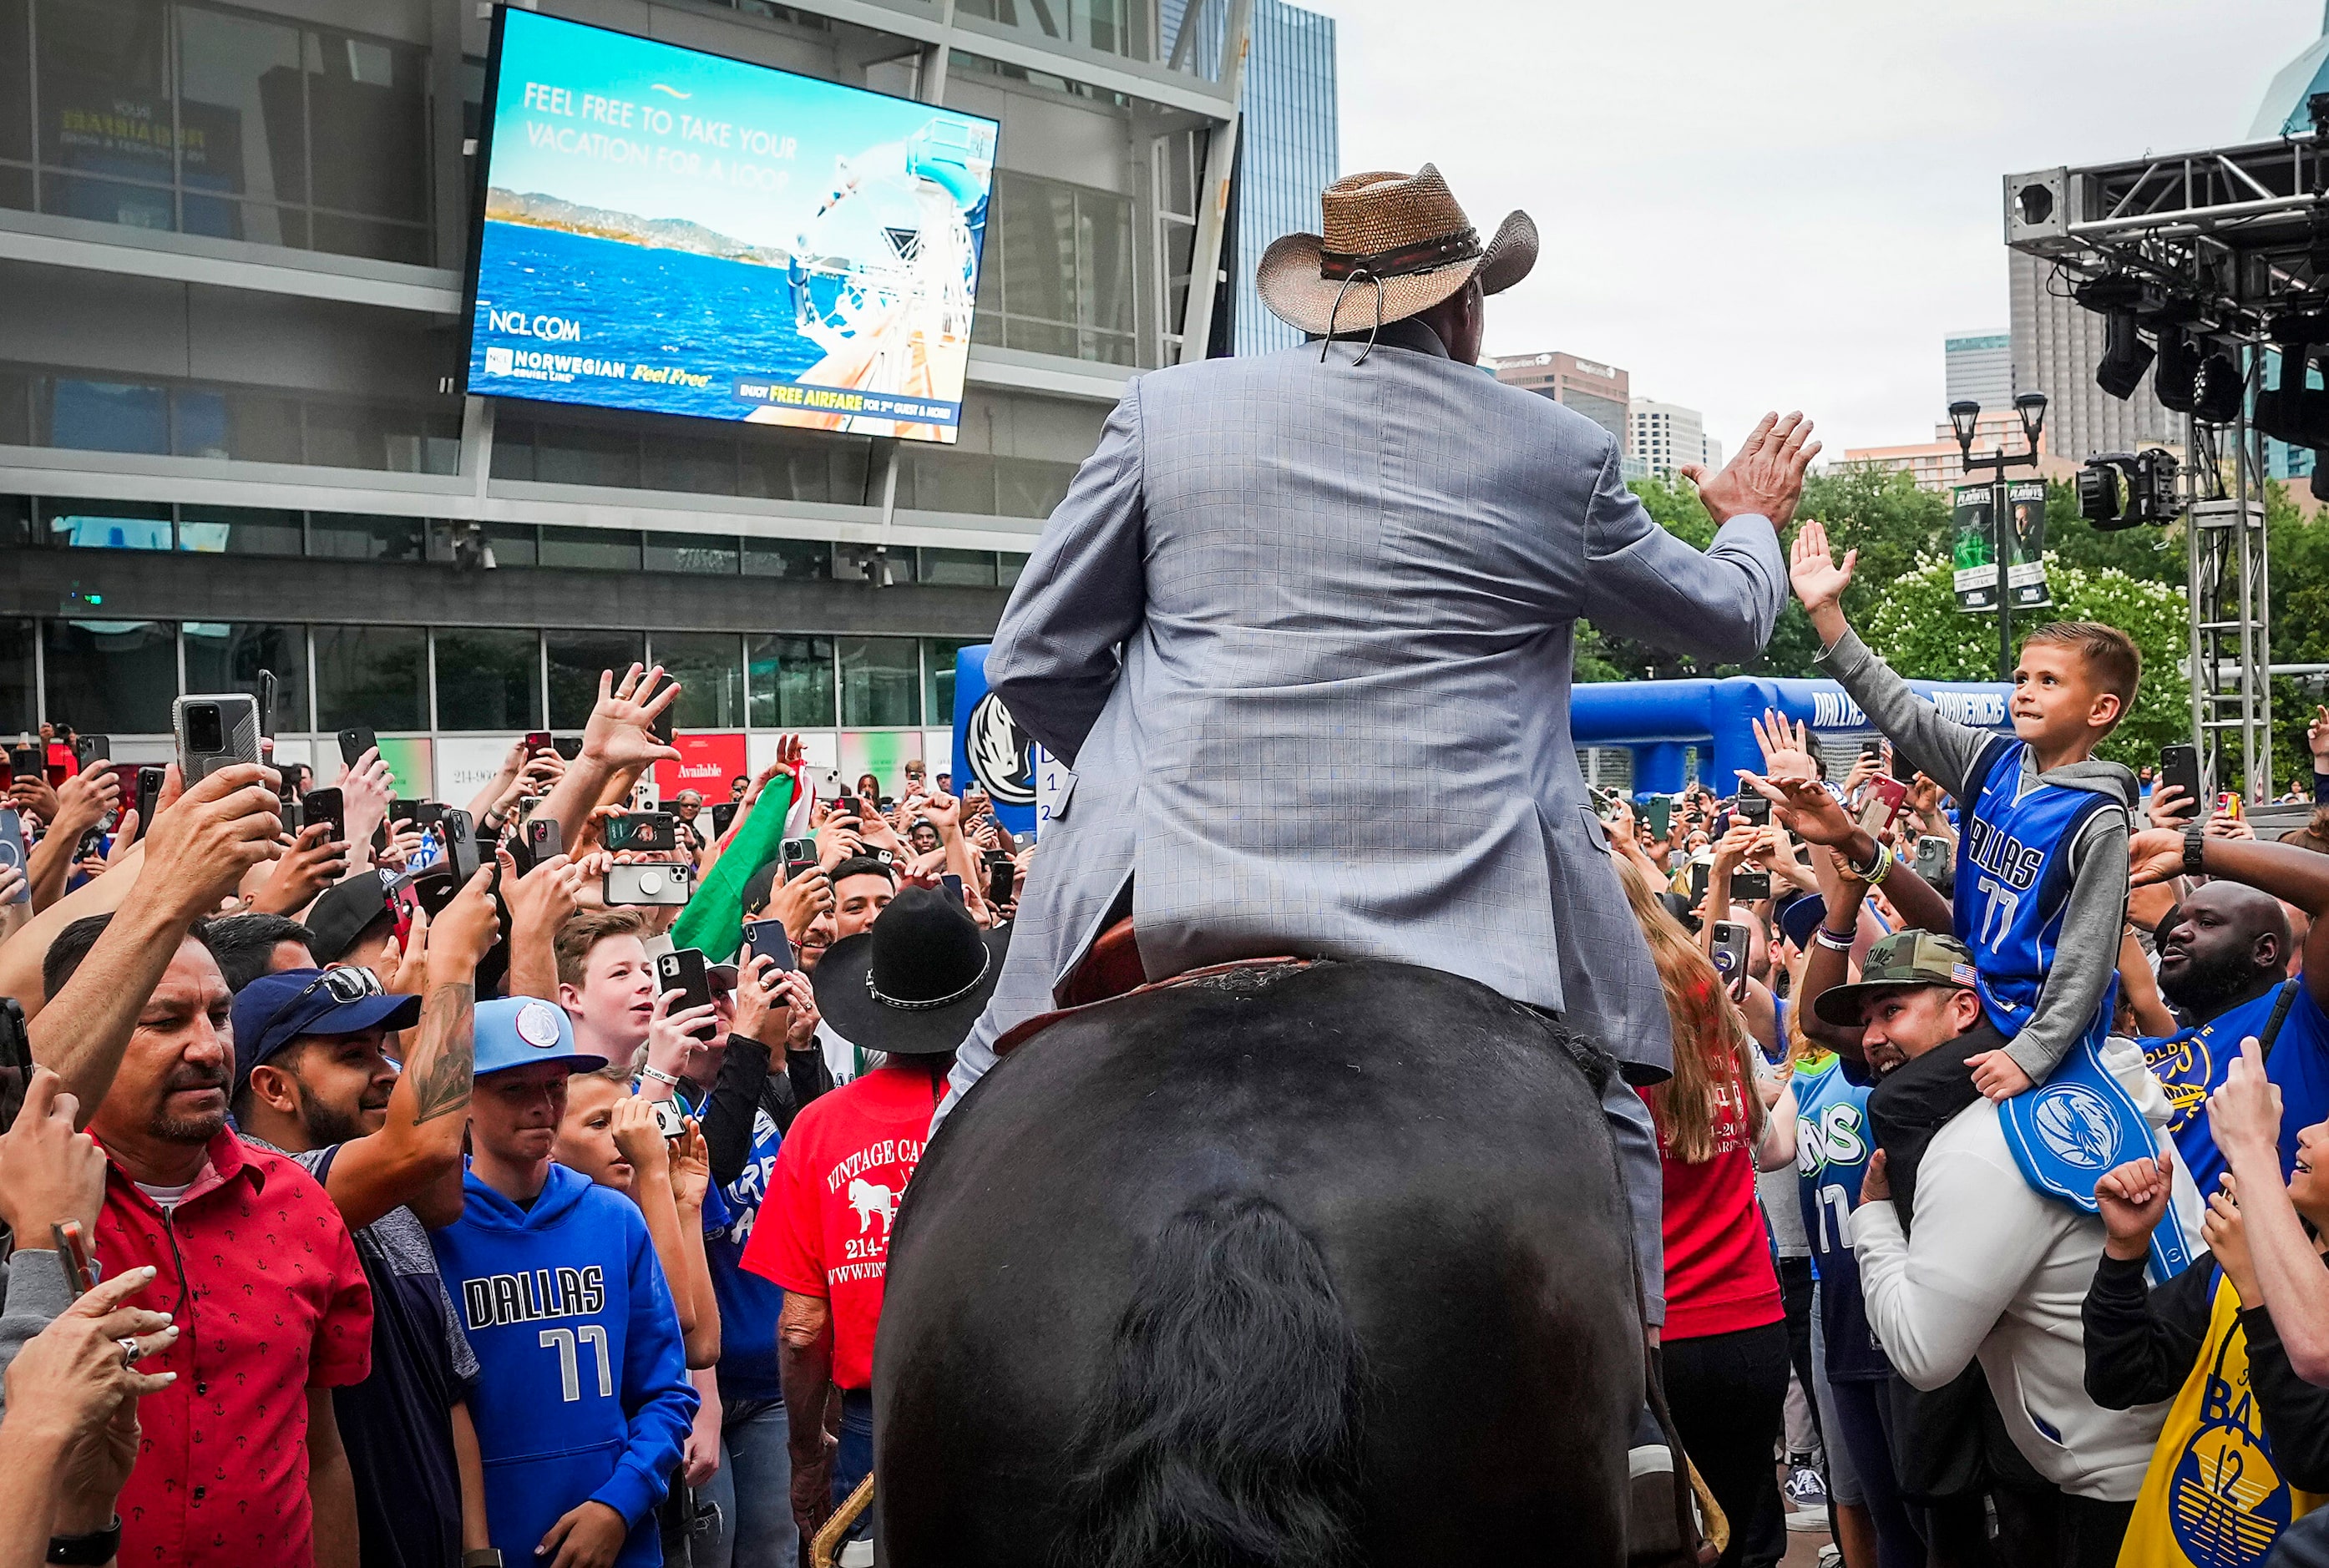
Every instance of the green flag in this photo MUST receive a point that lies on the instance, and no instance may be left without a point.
(713, 920)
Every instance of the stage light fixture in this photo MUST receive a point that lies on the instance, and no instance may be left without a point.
(2176, 382)
(2220, 390)
(2121, 490)
(2319, 486)
(2125, 356)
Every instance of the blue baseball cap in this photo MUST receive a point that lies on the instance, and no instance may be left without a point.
(292, 1004)
(518, 1031)
(1801, 917)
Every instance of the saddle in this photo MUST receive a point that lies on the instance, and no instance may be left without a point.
(1112, 969)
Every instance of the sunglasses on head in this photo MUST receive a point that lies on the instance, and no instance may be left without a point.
(351, 982)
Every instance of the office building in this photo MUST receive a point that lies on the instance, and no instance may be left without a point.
(1289, 148)
(2056, 344)
(1596, 390)
(1979, 366)
(1664, 435)
(1938, 464)
(234, 333)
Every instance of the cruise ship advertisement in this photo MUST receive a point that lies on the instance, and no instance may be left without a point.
(681, 233)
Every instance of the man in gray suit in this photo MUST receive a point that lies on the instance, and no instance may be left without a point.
(1302, 629)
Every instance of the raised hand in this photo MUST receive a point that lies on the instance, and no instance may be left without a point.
(1766, 478)
(1788, 751)
(1804, 808)
(2132, 1199)
(1818, 579)
(621, 731)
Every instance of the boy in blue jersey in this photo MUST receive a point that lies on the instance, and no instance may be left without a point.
(2041, 878)
(582, 1400)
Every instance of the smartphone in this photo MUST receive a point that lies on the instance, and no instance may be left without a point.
(568, 746)
(326, 806)
(356, 740)
(15, 1060)
(670, 1119)
(1747, 887)
(26, 762)
(682, 970)
(1002, 879)
(72, 1252)
(1934, 863)
(214, 731)
(267, 704)
(543, 839)
(1731, 948)
(848, 806)
(664, 726)
(656, 883)
(952, 885)
(428, 813)
(149, 791)
(1902, 768)
(2180, 765)
(1752, 808)
(1882, 804)
(402, 812)
(657, 833)
(769, 939)
(1697, 875)
(723, 817)
(460, 845)
(1658, 811)
(537, 740)
(1873, 747)
(92, 748)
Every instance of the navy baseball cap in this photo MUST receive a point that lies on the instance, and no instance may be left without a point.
(291, 1004)
(1801, 917)
(518, 1031)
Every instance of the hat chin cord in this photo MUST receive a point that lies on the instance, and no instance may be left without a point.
(1334, 317)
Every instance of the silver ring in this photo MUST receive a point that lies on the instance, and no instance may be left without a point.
(131, 1351)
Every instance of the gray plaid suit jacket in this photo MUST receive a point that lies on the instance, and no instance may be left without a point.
(1304, 634)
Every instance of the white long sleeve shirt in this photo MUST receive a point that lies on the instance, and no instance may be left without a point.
(1997, 1271)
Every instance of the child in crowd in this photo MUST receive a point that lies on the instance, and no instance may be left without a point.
(2041, 882)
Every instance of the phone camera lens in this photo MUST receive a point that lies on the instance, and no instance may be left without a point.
(204, 730)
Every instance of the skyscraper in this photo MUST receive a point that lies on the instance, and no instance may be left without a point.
(1289, 145)
(1979, 366)
(2056, 344)
(1600, 392)
(1665, 435)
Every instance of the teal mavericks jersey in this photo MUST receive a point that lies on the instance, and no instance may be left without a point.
(2014, 879)
(1832, 1142)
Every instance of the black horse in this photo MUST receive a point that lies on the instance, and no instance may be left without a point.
(1303, 1268)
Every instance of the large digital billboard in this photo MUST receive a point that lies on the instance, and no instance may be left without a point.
(677, 232)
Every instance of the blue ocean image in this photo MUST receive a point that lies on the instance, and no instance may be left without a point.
(636, 306)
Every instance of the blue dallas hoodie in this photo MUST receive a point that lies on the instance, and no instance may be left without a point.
(583, 1393)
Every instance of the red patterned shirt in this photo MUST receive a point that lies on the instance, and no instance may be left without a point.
(261, 1274)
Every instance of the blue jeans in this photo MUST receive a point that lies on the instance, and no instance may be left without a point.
(753, 1490)
(854, 1461)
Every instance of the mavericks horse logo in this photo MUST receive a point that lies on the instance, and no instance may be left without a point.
(871, 1201)
(1002, 758)
(2076, 1126)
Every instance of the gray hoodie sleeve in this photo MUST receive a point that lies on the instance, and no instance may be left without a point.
(2086, 955)
(37, 1294)
(1942, 749)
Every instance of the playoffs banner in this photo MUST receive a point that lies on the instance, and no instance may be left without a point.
(1972, 554)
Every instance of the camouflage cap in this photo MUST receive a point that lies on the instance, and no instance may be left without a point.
(1905, 958)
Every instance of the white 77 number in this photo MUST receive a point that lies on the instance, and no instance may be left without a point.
(569, 1374)
(2003, 905)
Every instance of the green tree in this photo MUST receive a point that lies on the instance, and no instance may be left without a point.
(1919, 631)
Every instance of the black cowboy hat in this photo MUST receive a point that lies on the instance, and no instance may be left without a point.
(915, 982)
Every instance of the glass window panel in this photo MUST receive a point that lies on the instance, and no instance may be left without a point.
(103, 417)
(610, 550)
(938, 687)
(585, 455)
(106, 525)
(488, 679)
(706, 554)
(367, 116)
(239, 530)
(238, 109)
(353, 536)
(794, 465)
(704, 463)
(792, 682)
(15, 525)
(16, 696)
(947, 482)
(787, 558)
(710, 668)
(370, 237)
(880, 683)
(105, 101)
(967, 568)
(112, 677)
(229, 657)
(514, 544)
(399, 439)
(1030, 487)
(15, 86)
(372, 675)
(109, 202)
(15, 386)
(1008, 565)
(576, 661)
(249, 425)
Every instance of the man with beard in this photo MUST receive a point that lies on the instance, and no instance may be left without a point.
(2223, 966)
(241, 1465)
(318, 1081)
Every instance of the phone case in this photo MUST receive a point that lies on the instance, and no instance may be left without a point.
(239, 722)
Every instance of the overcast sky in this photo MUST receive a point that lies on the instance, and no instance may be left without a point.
(1782, 205)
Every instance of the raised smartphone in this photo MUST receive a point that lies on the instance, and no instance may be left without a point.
(214, 730)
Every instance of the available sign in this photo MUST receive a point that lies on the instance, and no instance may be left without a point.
(707, 761)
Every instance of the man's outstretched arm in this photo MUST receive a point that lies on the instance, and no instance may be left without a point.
(1642, 582)
(1082, 595)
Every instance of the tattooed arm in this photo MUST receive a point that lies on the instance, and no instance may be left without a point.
(416, 1157)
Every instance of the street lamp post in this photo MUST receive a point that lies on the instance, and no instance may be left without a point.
(1964, 417)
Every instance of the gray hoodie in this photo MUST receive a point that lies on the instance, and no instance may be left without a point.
(1945, 751)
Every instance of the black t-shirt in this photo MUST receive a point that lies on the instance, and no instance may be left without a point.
(397, 1423)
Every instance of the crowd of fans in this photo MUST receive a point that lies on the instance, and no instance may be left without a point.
(389, 1189)
(417, 1186)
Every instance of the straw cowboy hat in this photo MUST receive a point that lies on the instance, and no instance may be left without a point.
(1395, 245)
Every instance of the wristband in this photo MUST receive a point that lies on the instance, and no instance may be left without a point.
(482, 1557)
(2196, 850)
(1876, 870)
(1830, 940)
(96, 1547)
(659, 1075)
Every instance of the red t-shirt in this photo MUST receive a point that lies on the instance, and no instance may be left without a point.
(270, 1301)
(824, 1229)
(1719, 1273)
